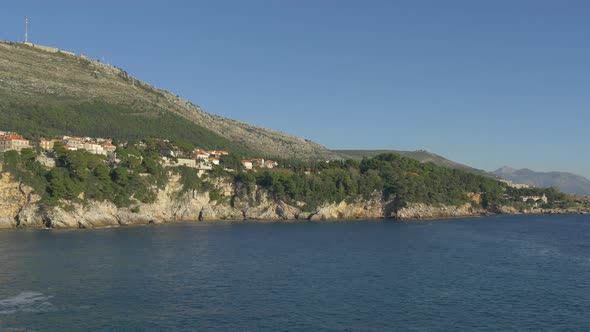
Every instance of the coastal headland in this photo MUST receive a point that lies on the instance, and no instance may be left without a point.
(21, 207)
(84, 144)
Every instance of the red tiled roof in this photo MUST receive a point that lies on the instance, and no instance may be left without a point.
(12, 137)
(201, 152)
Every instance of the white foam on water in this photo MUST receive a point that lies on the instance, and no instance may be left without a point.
(28, 301)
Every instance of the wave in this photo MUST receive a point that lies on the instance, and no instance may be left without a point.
(28, 301)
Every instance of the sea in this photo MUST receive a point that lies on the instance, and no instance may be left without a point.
(501, 273)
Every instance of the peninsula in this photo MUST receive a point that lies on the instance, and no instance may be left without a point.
(82, 182)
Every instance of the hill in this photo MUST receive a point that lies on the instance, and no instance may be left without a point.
(48, 91)
(566, 182)
(420, 155)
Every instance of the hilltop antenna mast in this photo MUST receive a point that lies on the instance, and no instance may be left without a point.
(26, 29)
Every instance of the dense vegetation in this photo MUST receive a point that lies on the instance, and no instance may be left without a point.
(102, 119)
(420, 155)
(387, 176)
(80, 177)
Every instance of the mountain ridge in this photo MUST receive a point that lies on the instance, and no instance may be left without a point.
(48, 76)
(420, 155)
(567, 182)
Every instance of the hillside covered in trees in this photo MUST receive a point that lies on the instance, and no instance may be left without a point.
(102, 119)
(138, 174)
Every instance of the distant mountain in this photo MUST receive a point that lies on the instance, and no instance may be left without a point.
(420, 155)
(566, 182)
(46, 91)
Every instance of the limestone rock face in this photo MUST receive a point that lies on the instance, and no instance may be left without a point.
(207, 214)
(286, 212)
(536, 210)
(508, 210)
(236, 202)
(12, 199)
(29, 216)
(420, 211)
(19, 208)
(171, 204)
(359, 209)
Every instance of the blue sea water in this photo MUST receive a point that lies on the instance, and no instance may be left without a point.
(509, 273)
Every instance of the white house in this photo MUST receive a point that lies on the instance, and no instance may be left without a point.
(46, 144)
(271, 164)
(109, 147)
(218, 153)
(201, 155)
(535, 198)
(94, 148)
(76, 142)
(13, 142)
(247, 164)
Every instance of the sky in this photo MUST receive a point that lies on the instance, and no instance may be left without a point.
(485, 83)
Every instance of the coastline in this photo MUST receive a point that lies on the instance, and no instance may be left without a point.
(107, 224)
(20, 208)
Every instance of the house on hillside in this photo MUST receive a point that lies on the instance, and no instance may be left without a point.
(215, 160)
(109, 147)
(201, 155)
(258, 162)
(46, 144)
(94, 148)
(515, 185)
(101, 140)
(247, 164)
(77, 142)
(271, 164)
(218, 153)
(535, 198)
(13, 142)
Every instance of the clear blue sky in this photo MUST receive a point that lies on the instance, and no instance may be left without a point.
(486, 83)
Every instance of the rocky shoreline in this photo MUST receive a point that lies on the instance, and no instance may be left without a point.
(19, 208)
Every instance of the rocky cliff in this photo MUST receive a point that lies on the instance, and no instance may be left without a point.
(12, 199)
(19, 207)
(172, 204)
(420, 211)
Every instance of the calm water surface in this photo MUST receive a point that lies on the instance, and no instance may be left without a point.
(526, 273)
